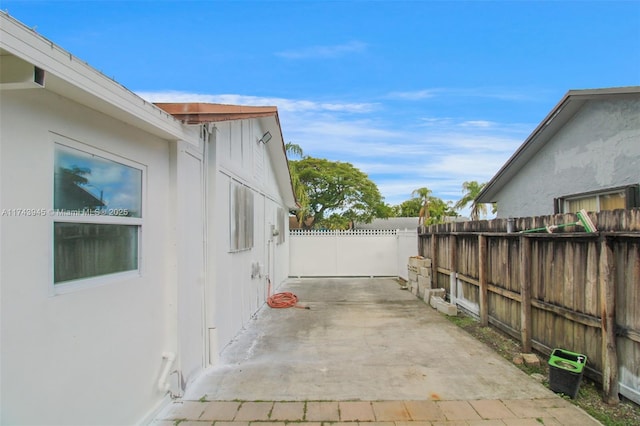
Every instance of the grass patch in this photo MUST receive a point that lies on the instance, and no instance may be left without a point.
(589, 397)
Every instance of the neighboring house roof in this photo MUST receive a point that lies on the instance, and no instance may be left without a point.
(71, 196)
(199, 113)
(568, 106)
(390, 223)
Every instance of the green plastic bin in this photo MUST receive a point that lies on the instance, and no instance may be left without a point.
(565, 371)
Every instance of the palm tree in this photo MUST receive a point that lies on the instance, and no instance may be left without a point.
(424, 194)
(471, 190)
(299, 189)
(293, 149)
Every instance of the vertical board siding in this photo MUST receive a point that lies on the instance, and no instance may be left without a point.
(565, 278)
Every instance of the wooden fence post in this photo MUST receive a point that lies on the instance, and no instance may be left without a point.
(525, 293)
(610, 384)
(482, 279)
(434, 260)
(453, 279)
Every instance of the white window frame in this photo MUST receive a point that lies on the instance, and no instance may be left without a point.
(625, 190)
(75, 217)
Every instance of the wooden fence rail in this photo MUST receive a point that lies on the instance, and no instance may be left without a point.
(568, 289)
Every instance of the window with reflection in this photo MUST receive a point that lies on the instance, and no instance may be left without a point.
(97, 214)
(626, 197)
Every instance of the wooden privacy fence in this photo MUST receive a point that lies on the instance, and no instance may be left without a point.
(569, 289)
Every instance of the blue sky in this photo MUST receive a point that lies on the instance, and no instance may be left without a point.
(415, 94)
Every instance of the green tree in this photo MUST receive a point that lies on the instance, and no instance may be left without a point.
(75, 175)
(335, 221)
(429, 209)
(409, 208)
(471, 190)
(439, 210)
(334, 187)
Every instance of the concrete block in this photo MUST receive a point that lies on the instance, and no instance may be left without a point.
(433, 301)
(425, 272)
(531, 360)
(424, 282)
(434, 292)
(415, 261)
(413, 286)
(419, 290)
(447, 308)
(408, 285)
(413, 276)
(424, 263)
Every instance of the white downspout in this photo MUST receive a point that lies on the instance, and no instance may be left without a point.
(163, 383)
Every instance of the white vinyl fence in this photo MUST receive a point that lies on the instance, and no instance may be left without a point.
(353, 253)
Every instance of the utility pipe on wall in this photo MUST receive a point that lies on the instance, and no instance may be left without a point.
(163, 384)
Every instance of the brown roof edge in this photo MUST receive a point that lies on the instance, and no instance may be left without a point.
(194, 113)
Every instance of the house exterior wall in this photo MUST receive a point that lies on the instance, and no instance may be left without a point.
(599, 148)
(242, 276)
(92, 355)
(96, 353)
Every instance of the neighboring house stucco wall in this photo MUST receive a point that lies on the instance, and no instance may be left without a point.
(598, 148)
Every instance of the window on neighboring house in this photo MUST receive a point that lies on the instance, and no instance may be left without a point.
(616, 198)
(97, 219)
(281, 229)
(241, 217)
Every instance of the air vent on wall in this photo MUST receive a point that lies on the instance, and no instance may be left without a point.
(18, 74)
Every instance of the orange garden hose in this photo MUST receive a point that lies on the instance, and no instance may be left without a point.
(283, 300)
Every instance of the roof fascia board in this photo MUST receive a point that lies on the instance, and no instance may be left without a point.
(107, 94)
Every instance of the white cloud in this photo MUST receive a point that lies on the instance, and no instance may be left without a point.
(437, 152)
(414, 95)
(289, 105)
(333, 51)
(481, 92)
(477, 123)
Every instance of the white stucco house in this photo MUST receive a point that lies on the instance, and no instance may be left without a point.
(134, 244)
(585, 154)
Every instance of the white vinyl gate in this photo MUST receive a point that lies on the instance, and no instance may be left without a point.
(353, 253)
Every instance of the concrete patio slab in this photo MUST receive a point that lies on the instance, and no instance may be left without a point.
(361, 339)
(368, 353)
